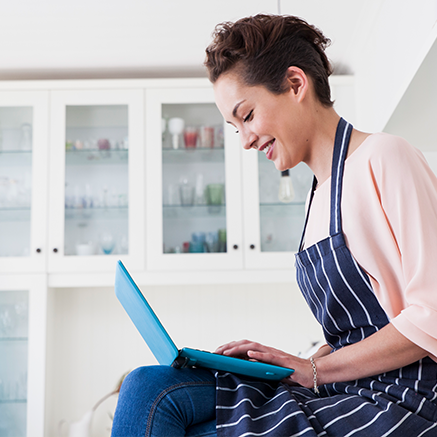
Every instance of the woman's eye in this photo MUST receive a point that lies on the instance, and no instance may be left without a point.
(249, 116)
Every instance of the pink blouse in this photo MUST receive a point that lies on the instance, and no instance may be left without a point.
(389, 218)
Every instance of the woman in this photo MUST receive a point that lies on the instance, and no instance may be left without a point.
(361, 266)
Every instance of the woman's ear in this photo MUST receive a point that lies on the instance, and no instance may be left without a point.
(297, 80)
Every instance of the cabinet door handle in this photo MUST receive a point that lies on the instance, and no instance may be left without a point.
(55, 250)
(252, 246)
(235, 246)
(38, 250)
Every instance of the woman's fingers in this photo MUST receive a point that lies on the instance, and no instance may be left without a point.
(239, 348)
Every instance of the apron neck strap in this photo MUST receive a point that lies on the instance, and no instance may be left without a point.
(341, 144)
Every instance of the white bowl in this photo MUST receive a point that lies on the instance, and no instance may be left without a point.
(85, 249)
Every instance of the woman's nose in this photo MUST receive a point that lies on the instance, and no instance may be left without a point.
(248, 139)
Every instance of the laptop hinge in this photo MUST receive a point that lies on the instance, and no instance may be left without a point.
(180, 362)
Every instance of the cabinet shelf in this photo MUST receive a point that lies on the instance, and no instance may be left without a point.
(100, 213)
(13, 339)
(15, 158)
(96, 157)
(282, 209)
(194, 155)
(13, 401)
(21, 214)
(195, 211)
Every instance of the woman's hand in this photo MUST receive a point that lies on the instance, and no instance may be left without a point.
(245, 349)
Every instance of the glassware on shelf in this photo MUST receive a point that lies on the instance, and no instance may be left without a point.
(211, 242)
(107, 243)
(206, 137)
(200, 198)
(176, 127)
(215, 197)
(286, 190)
(85, 249)
(186, 192)
(222, 240)
(26, 137)
(190, 137)
(215, 194)
(173, 197)
(197, 244)
(123, 244)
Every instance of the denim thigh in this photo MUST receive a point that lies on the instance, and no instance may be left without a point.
(163, 401)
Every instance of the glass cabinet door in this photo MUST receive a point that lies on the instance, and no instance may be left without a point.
(193, 190)
(275, 204)
(273, 228)
(23, 181)
(13, 365)
(22, 352)
(98, 143)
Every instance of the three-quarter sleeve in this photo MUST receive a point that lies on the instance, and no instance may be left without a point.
(389, 219)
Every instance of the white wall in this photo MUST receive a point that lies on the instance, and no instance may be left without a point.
(92, 342)
(396, 35)
(113, 38)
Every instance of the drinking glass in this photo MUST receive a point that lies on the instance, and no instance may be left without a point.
(190, 137)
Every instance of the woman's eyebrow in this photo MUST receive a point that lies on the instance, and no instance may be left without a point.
(234, 112)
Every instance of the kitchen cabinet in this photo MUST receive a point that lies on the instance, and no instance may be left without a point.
(23, 180)
(22, 348)
(261, 231)
(194, 217)
(124, 182)
(96, 212)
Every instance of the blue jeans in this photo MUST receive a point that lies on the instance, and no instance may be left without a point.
(160, 401)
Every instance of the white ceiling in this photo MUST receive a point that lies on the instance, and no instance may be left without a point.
(149, 38)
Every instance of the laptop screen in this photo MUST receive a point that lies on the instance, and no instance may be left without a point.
(143, 316)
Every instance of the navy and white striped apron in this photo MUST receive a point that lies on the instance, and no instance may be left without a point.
(398, 403)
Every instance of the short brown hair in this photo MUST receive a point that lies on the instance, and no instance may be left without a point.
(262, 47)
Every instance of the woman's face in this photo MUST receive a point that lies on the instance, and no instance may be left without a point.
(265, 121)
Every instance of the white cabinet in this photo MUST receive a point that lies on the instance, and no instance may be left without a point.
(261, 231)
(194, 215)
(124, 182)
(22, 351)
(23, 180)
(97, 198)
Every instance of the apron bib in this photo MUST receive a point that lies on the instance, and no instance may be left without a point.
(399, 403)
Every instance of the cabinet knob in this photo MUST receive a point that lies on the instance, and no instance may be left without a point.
(55, 250)
(252, 246)
(235, 246)
(38, 250)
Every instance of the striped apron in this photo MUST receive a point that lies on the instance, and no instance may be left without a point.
(398, 403)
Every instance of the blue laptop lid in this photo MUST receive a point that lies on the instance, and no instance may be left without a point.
(144, 318)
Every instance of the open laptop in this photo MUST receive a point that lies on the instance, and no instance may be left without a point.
(163, 347)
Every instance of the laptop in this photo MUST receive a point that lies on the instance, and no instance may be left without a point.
(163, 347)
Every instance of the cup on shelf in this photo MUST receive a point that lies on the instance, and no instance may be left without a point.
(215, 194)
(107, 242)
(206, 136)
(219, 142)
(26, 137)
(103, 144)
(85, 249)
(211, 242)
(173, 196)
(186, 191)
(215, 197)
(176, 127)
(200, 198)
(190, 137)
(222, 243)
